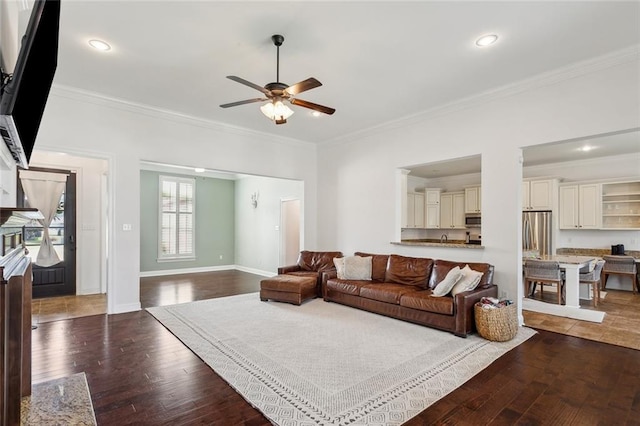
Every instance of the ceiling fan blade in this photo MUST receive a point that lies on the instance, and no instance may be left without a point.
(248, 83)
(311, 105)
(248, 101)
(308, 84)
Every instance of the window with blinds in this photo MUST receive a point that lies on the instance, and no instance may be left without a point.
(176, 233)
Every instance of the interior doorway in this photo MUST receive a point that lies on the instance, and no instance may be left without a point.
(290, 231)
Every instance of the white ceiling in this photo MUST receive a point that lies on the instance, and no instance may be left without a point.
(378, 61)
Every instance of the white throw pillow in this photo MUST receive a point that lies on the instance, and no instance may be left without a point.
(339, 262)
(357, 268)
(469, 281)
(444, 287)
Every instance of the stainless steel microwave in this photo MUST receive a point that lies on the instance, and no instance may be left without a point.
(473, 221)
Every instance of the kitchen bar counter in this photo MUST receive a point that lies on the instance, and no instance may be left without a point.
(437, 243)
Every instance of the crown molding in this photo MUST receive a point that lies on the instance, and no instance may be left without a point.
(80, 95)
(575, 70)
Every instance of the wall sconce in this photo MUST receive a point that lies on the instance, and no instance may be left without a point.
(254, 199)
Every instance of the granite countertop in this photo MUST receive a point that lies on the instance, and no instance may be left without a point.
(593, 252)
(437, 243)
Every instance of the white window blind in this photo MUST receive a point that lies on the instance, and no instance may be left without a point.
(176, 233)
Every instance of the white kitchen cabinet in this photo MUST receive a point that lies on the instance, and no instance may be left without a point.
(452, 210)
(415, 210)
(580, 206)
(537, 194)
(472, 200)
(432, 208)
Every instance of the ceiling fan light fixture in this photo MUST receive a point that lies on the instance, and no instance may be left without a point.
(276, 111)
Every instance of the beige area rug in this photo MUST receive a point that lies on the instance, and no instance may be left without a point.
(64, 401)
(327, 364)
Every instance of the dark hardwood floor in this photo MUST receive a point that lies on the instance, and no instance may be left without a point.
(139, 373)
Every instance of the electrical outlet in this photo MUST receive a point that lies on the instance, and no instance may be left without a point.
(503, 294)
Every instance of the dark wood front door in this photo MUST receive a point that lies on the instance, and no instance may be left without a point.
(59, 279)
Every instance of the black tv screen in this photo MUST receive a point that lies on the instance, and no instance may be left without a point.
(25, 94)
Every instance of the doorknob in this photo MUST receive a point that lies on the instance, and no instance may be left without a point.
(72, 239)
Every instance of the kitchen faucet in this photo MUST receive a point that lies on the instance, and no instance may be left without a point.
(444, 238)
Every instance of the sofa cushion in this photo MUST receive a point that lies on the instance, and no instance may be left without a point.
(353, 267)
(317, 260)
(468, 281)
(412, 271)
(444, 287)
(314, 274)
(346, 286)
(424, 301)
(378, 264)
(442, 267)
(386, 292)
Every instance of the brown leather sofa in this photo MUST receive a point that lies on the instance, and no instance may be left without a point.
(312, 264)
(401, 287)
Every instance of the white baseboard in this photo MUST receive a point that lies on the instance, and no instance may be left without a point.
(562, 311)
(88, 291)
(255, 271)
(121, 309)
(186, 271)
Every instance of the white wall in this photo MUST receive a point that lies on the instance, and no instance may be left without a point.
(125, 134)
(257, 229)
(358, 188)
(89, 220)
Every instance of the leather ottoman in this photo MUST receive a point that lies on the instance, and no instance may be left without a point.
(288, 288)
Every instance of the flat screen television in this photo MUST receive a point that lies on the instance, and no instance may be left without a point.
(24, 94)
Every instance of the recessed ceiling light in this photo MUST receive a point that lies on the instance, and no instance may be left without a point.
(316, 113)
(199, 170)
(486, 40)
(99, 45)
(586, 148)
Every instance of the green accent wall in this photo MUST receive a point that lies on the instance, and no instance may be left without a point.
(214, 223)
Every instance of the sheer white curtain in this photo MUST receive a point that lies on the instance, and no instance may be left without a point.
(43, 191)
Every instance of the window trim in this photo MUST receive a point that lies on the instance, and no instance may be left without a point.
(161, 258)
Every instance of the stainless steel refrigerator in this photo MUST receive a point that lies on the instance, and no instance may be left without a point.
(536, 231)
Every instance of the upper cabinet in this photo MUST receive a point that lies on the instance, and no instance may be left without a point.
(415, 210)
(432, 208)
(621, 205)
(452, 210)
(580, 206)
(472, 200)
(538, 194)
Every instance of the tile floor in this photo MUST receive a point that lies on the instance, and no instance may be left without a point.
(65, 307)
(621, 324)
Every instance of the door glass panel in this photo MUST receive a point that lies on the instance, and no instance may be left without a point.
(33, 233)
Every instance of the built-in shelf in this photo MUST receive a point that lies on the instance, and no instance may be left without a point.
(621, 205)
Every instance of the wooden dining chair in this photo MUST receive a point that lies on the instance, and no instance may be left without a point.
(543, 272)
(592, 279)
(620, 265)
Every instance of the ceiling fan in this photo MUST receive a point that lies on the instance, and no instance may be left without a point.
(278, 92)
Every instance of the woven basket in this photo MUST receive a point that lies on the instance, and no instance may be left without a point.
(498, 325)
